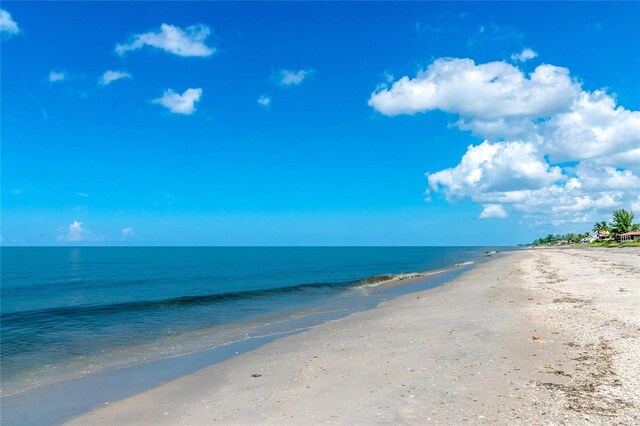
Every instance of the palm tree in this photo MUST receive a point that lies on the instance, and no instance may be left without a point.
(601, 230)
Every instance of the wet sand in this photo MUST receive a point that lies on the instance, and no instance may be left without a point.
(536, 336)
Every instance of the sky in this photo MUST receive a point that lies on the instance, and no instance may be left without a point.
(420, 123)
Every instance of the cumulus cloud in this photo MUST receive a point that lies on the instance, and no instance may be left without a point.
(180, 103)
(541, 192)
(56, 76)
(290, 77)
(492, 100)
(563, 202)
(628, 160)
(110, 76)
(264, 100)
(593, 177)
(172, 39)
(491, 167)
(551, 151)
(593, 127)
(490, 211)
(525, 55)
(76, 233)
(7, 24)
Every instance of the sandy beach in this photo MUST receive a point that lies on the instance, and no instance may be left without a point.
(548, 336)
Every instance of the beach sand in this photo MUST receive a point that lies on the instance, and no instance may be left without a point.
(547, 336)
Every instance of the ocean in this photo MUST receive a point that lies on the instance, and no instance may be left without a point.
(69, 313)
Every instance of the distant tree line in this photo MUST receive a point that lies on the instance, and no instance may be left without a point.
(621, 222)
(552, 240)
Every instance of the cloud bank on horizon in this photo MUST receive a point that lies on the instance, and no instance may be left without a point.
(551, 150)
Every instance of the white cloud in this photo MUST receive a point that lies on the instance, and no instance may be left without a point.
(110, 76)
(553, 152)
(264, 100)
(291, 78)
(180, 103)
(75, 233)
(82, 194)
(492, 100)
(491, 167)
(172, 39)
(525, 55)
(7, 24)
(593, 177)
(127, 233)
(493, 211)
(55, 76)
(628, 160)
(593, 127)
(589, 194)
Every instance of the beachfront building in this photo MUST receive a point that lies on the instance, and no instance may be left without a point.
(630, 236)
(604, 236)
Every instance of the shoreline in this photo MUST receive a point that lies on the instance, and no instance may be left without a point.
(385, 282)
(528, 337)
(60, 401)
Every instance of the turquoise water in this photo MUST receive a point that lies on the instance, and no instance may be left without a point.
(74, 312)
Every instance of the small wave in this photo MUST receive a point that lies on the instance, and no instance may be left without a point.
(77, 312)
(376, 279)
(464, 264)
(142, 305)
(387, 278)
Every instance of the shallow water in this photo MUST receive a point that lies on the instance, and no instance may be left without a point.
(75, 312)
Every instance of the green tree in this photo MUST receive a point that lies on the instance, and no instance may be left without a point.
(600, 227)
(572, 238)
(623, 221)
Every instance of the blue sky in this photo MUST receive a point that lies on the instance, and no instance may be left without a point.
(299, 130)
